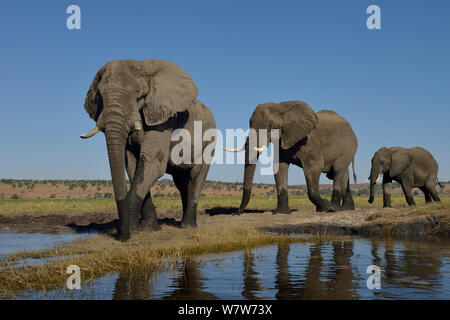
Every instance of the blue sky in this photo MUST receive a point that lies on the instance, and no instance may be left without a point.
(391, 84)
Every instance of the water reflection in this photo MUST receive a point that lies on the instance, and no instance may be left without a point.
(252, 282)
(412, 267)
(320, 281)
(189, 284)
(332, 270)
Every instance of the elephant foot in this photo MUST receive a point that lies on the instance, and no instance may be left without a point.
(323, 206)
(334, 207)
(185, 224)
(282, 210)
(346, 207)
(124, 237)
(152, 225)
(239, 212)
(134, 223)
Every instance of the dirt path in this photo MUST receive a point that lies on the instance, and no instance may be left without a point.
(423, 220)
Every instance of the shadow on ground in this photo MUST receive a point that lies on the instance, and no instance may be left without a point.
(109, 227)
(229, 210)
(94, 227)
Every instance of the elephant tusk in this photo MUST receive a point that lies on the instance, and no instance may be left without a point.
(137, 126)
(91, 133)
(260, 149)
(379, 177)
(234, 150)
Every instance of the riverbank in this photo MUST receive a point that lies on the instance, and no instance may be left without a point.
(100, 216)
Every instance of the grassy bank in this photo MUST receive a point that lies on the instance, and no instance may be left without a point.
(146, 251)
(81, 206)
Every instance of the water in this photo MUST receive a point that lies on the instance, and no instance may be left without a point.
(333, 270)
(12, 242)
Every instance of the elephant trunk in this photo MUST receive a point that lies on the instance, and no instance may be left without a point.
(374, 174)
(249, 173)
(116, 135)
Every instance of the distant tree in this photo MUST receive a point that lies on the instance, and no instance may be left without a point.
(107, 195)
(15, 197)
(52, 196)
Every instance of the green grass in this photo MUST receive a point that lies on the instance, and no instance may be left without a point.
(82, 206)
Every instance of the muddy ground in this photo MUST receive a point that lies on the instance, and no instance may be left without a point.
(367, 222)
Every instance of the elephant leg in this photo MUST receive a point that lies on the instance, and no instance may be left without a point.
(426, 193)
(181, 178)
(281, 181)
(347, 201)
(387, 189)
(431, 187)
(148, 212)
(312, 175)
(407, 190)
(148, 215)
(339, 183)
(197, 178)
(151, 166)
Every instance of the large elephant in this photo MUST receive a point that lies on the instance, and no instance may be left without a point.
(414, 167)
(138, 104)
(317, 142)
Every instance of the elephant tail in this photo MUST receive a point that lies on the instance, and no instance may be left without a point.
(355, 178)
(440, 184)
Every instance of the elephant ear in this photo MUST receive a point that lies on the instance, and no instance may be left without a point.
(93, 102)
(298, 121)
(400, 161)
(170, 90)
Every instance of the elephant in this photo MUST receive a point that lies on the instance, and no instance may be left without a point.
(138, 105)
(317, 142)
(413, 167)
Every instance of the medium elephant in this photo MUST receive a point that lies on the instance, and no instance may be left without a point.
(138, 104)
(414, 167)
(317, 142)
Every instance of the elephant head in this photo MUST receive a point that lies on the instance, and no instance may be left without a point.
(127, 96)
(393, 162)
(294, 120)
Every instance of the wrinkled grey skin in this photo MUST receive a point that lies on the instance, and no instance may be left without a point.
(138, 104)
(414, 167)
(317, 142)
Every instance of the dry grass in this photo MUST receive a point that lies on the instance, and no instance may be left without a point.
(100, 255)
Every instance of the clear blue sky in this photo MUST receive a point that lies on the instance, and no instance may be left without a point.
(393, 84)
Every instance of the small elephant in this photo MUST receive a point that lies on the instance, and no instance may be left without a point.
(138, 104)
(414, 167)
(317, 142)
